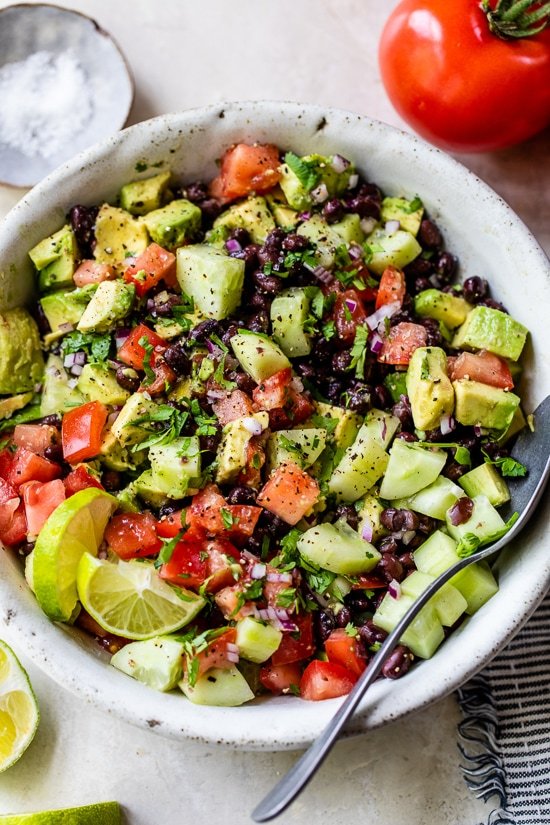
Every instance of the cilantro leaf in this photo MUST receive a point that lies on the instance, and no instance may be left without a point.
(507, 465)
(165, 424)
(359, 351)
(227, 517)
(96, 345)
(305, 170)
(167, 549)
(149, 349)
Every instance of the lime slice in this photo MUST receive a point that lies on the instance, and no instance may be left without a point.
(102, 813)
(19, 714)
(74, 528)
(129, 599)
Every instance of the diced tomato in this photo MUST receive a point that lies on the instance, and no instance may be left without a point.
(289, 493)
(216, 654)
(325, 680)
(169, 526)
(40, 500)
(210, 511)
(301, 409)
(6, 461)
(92, 272)
(369, 291)
(236, 405)
(246, 169)
(392, 287)
(298, 645)
(281, 678)
(27, 466)
(133, 353)
(482, 366)
(165, 377)
(187, 567)
(79, 479)
(227, 600)
(35, 437)
(222, 558)
(251, 475)
(13, 524)
(277, 395)
(9, 503)
(133, 535)
(345, 650)
(402, 341)
(348, 313)
(81, 430)
(366, 582)
(154, 265)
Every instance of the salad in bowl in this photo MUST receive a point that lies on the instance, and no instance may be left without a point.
(248, 416)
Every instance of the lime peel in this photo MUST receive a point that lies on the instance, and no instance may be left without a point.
(19, 714)
(100, 813)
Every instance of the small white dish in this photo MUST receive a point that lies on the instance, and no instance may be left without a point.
(64, 85)
(489, 239)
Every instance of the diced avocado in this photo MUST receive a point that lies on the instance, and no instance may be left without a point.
(477, 584)
(323, 237)
(482, 405)
(349, 228)
(443, 306)
(257, 641)
(491, 329)
(21, 360)
(409, 469)
(175, 224)
(258, 355)
(217, 238)
(114, 456)
(211, 278)
(483, 523)
(303, 446)
(486, 480)
(65, 308)
(324, 170)
(118, 236)
(111, 302)
(402, 210)
(231, 454)
(175, 465)
(11, 405)
(448, 603)
(289, 315)
(98, 383)
(397, 249)
(518, 423)
(396, 384)
(148, 491)
(57, 394)
(142, 196)
(252, 214)
(55, 259)
(338, 548)
(156, 662)
(424, 634)
(345, 432)
(436, 554)
(284, 215)
(218, 687)
(124, 429)
(369, 516)
(182, 390)
(434, 500)
(429, 388)
(128, 500)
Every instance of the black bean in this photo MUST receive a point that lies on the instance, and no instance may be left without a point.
(269, 284)
(429, 235)
(421, 283)
(410, 437)
(243, 381)
(273, 524)
(196, 192)
(390, 568)
(407, 560)
(82, 220)
(454, 470)
(426, 525)
(202, 331)
(402, 411)
(495, 450)
(358, 601)
(333, 210)
(349, 513)
(359, 398)
(334, 389)
(127, 378)
(305, 370)
(241, 495)
(365, 206)
(241, 235)
(392, 518)
(492, 304)
(398, 663)
(177, 358)
(54, 420)
(210, 208)
(169, 508)
(420, 268)
(343, 617)
(475, 289)
(209, 443)
(111, 480)
(381, 397)
(410, 520)
(446, 266)
(324, 624)
(26, 548)
(434, 337)
(259, 322)
(341, 362)
(388, 544)
(54, 452)
(461, 511)
(370, 634)
(40, 317)
(294, 243)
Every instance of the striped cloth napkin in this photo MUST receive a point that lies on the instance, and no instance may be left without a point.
(505, 733)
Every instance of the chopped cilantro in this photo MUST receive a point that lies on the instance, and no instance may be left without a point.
(351, 630)
(328, 330)
(294, 689)
(165, 423)
(228, 519)
(252, 592)
(149, 349)
(286, 597)
(325, 422)
(413, 206)
(507, 465)
(305, 170)
(206, 425)
(95, 344)
(167, 549)
(359, 351)
(291, 446)
(425, 369)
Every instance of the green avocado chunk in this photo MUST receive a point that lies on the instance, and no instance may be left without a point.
(174, 224)
(301, 176)
(55, 259)
(252, 214)
(111, 302)
(142, 196)
(429, 388)
(491, 329)
(98, 383)
(65, 308)
(402, 210)
(21, 361)
(482, 405)
(118, 236)
(449, 309)
(289, 314)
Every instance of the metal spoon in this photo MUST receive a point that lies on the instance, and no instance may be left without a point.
(533, 450)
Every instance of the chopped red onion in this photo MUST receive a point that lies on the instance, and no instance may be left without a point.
(367, 531)
(66, 327)
(121, 335)
(150, 304)
(353, 181)
(434, 280)
(76, 369)
(80, 357)
(319, 194)
(231, 647)
(232, 657)
(248, 555)
(394, 589)
(408, 536)
(213, 348)
(351, 305)
(304, 216)
(232, 245)
(355, 251)
(37, 388)
(252, 426)
(339, 164)
(274, 576)
(392, 226)
(385, 311)
(69, 360)
(323, 275)
(384, 428)
(130, 260)
(258, 571)
(281, 614)
(376, 343)
(297, 384)
(478, 431)
(111, 418)
(216, 395)
(447, 424)
(72, 382)
(367, 225)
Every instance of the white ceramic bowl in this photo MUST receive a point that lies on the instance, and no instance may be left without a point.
(489, 240)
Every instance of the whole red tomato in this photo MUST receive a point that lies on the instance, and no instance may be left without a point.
(460, 75)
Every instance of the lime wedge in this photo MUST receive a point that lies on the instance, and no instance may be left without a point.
(102, 813)
(19, 714)
(129, 599)
(74, 528)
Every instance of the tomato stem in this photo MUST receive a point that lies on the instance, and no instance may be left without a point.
(516, 18)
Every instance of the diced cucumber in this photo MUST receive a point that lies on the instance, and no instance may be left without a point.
(361, 465)
(218, 687)
(289, 313)
(213, 279)
(436, 554)
(483, 523)
(338, 548)
(174, 465)
(397, 249)
(424, 634)
(258, 355)
(410, 468)
(323, 237)
(448, 602)
(303, 446)
(486, 480)
(477, 584)
(155, 662)
(349, 228)
(257, 641)
(435, 499)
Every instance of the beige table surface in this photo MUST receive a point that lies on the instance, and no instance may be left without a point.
(184, 54)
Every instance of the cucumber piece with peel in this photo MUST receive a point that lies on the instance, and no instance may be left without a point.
(258, 355)
(410, 469)
(449, 603)
(424, 634)
(257, 641)
(155, 662)
(433, 500)
(338, 548)
(218, 687)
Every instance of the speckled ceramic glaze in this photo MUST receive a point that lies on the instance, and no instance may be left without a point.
(489, 240)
